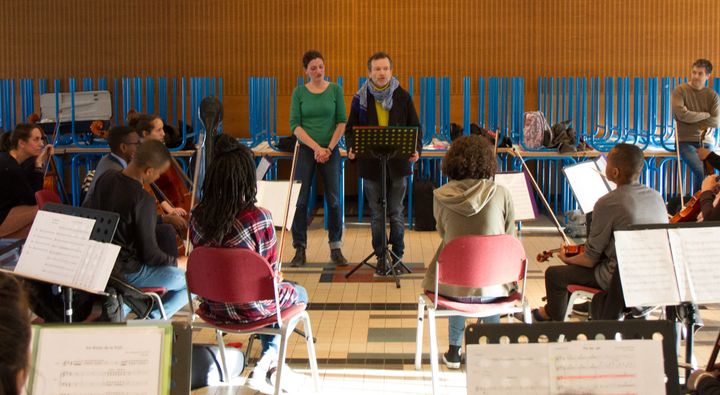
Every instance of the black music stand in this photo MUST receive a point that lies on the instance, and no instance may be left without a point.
(103, 231)
(384, 143)
(564, 331)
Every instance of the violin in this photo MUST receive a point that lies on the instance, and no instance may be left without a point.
(691, 210)
(568, 250)
(96, 128)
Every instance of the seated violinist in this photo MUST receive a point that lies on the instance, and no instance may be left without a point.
(631, 203)
(710, 199)
(22, 167)
(141, 262)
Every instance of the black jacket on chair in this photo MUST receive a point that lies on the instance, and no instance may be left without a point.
(402, 113)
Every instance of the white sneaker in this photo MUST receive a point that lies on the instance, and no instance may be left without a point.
(292, 380)
(258, 377)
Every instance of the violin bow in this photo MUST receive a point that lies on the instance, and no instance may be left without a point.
(287, 206)
(516, 153)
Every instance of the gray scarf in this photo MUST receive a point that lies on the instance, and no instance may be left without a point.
(383, 96)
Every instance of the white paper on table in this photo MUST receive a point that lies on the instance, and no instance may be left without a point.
(587, 183)
(272, 195)
(99, 360)
(521, 193)
(647, 272)
(58, 250)
(262, 168)
(628, 366)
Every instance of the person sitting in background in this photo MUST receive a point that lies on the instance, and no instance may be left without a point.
(124, 142)
(15, 336)
(21, 180)
(471, 203)
(228, 217)
(140, 262)
(630, 203)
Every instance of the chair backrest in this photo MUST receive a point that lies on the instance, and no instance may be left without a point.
(229, 275)
(482, 260)
(44, 196)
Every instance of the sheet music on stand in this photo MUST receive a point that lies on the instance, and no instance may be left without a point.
(588, 183)
(272, 196)
(669, 264)
(521, 191)
(89, 358)
(58, 250)
(549, 358)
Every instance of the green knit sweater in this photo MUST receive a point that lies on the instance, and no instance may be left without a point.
(318, 113)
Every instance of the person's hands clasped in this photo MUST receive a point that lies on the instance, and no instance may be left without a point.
(322, 155)
(414, 157)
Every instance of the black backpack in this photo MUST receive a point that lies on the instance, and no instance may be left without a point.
(422, 205)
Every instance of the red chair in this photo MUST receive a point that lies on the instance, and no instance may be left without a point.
(238, 275)
(46, 196)
(578, 292)
(473, 261)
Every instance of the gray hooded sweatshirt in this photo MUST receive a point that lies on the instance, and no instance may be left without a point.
(470, 207)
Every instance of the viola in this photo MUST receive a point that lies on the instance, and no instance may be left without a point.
(568, 250)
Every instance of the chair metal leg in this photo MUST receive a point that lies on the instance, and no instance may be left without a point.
(433, 352)
(251, 341)
(312, 358)
(286, 331)
(568, 309)
(419, 334)
(221, 345)
(159, 302)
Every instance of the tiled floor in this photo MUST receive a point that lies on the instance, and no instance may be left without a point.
(365, 326)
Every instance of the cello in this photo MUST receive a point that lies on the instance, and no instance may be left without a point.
(568, 248)
(51, 176)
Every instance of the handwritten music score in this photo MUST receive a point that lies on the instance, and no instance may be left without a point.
(99, 360)
(58, 250)
(579, 367)
(669, 266)
(521, 192)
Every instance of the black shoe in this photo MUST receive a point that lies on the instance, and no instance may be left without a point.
(299, 258)
(581, 309)
(452, 358)
(337, 257)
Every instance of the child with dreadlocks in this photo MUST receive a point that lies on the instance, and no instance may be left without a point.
(228, 217)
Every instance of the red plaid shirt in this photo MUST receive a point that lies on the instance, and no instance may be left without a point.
(252, 229)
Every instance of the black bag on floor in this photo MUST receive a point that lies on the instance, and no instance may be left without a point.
(207, 365)
(422, 205)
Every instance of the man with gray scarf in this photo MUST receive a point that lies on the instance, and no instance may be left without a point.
(381, 101)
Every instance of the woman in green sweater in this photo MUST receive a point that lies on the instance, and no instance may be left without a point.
(317, 118)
